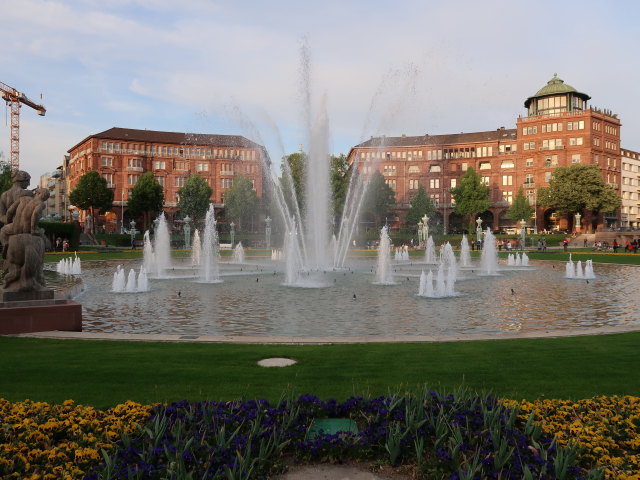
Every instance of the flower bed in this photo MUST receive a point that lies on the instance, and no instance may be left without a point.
(431, 435)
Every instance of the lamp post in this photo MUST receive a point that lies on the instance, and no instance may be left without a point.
(535, 213)
(267, 231)
(479, 231)
(523, 233)
(232, 232)
(446, 218)
(420, 224)
(132, 232)
(187, 232)
(122, 209)
(577, 225)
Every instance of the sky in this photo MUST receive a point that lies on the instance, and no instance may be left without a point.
(268, 69)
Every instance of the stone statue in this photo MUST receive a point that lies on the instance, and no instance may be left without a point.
(23, 243)
(20, 180)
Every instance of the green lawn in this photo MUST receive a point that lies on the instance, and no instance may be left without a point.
(105, 373)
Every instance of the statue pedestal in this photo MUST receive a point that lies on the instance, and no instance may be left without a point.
(38, 315)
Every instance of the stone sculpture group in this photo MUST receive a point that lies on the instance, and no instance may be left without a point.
(23, 242)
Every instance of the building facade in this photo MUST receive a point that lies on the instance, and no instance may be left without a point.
(122, 155)
(630, 189)
(560, 129)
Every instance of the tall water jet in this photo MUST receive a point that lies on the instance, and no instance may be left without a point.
(383, 265)
(465, 254)
(588, 270)
(293, 260)
(448, 260)
(209, 268)
(238, 254)
(489, 255)
(119, 282)
(430, 251)
(157, 255)
(196, 248)
(132, 283)
(148, 256)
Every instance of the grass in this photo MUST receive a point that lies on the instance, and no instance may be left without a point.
(105, 373)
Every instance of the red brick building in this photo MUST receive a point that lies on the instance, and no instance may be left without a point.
(559, 129)
(122, 155)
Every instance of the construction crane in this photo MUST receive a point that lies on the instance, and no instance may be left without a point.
(14, 99)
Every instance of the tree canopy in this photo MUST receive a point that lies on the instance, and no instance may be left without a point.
(92, 193)
(295, 164)
(421, 205)
(194, 197)
(5, 175)
(146, 198)
(578, 187)
(240, 201)
(339, 183)
(379, 199)
(471, 196)
(520, 209)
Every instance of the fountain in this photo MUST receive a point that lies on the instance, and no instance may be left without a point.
(196, 249)
(238, 254)
(430, 251)
(69, 266)
(210, 253)
(489, 255)
(576, 271)
(465, 255)
(383, 265)
(123, 283)
(157, 255)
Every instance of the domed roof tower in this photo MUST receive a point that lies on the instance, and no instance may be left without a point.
(556, 97)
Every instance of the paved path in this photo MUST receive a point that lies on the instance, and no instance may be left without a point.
(286, 340)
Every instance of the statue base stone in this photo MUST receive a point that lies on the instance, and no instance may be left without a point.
(38, 315)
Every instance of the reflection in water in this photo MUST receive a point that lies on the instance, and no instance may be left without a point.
(254, 302)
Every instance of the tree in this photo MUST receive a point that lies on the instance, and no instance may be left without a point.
(471, 196)
(576, 188)
(240, 200)
(146, 198)
(421, 205)
(379, 198)
(295, 164)
(5, 175)
(339, 176)
(92, 193)
(520, 209)
(194, 197)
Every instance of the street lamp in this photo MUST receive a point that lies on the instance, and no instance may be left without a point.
(187, 232)
(420, 224)
(479, 231)
(122, 209)
(523, 233)
(267, 231)
(132, 232)
(233, 232)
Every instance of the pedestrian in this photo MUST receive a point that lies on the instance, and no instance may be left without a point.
(58, 244)
(65, 245)
(615, 246)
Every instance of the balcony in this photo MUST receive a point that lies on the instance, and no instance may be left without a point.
(529, 185)
(134, 169)
(227, 173)
(545, 149)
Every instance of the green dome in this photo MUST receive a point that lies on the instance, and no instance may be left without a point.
(555, 86)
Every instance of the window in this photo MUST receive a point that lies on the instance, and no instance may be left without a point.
(575, 141)
(507, 164)
(181, 165)
(414, 169)
(435, 198)
(454, 183)
(109, 178)
(134, 163)
(226, 182)
(413, 184)
(434, 183)
(434, 168)
(485, 165)
(507, 196)
(575, 158)
(202, 166)
(159, 165)
(486, 180)
(391, 183)
(160, 180)
(547, 176)
(132, 179)
(464, 167)
(507, 180)
(389, 170)
(179, 181)
(107, 161)
(528, 180)
(529, 162)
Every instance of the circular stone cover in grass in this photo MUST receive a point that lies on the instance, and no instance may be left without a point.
(276, 362)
